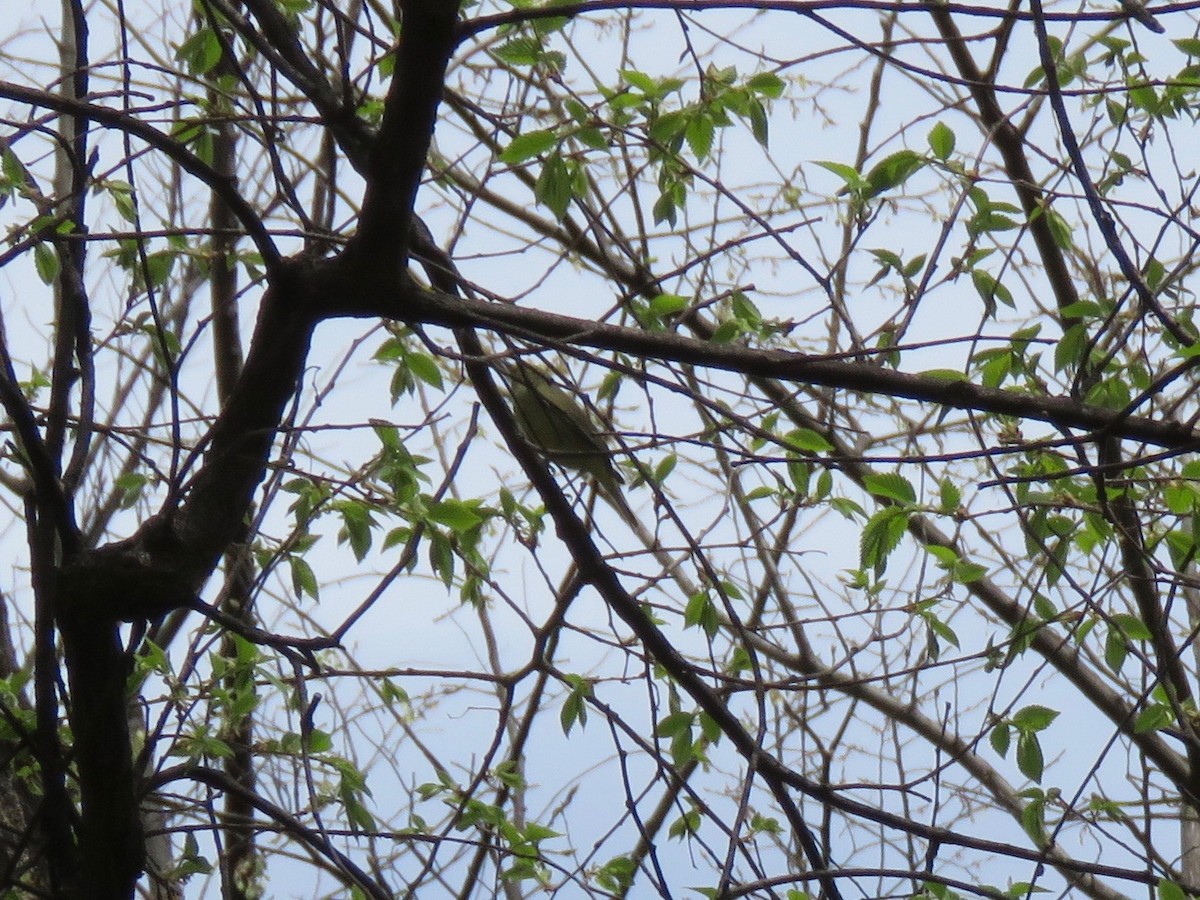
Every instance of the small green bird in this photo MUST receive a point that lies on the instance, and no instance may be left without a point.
(1136, 9)
(559, 425)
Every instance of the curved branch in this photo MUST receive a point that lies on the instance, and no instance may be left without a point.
(430, 307)
(289, 823)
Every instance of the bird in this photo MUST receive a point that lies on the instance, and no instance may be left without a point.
(557, 424)
(1136, 9)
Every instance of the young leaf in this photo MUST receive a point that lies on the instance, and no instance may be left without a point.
(941, 140)
(45, 260)
(809, 441)
(1029, 756)
(1034, 718)
(893, 171)
(881, 535)
(891, 486)
(854, 182)
(528, 145)
(768, 84)
(700, 134)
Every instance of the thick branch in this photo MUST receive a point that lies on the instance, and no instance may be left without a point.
(534, 13)
(240, 441)
(420, 306)
(397, 160)
(110, 840)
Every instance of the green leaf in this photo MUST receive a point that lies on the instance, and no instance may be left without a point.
(591, 136)
(891, 486)
(524, 50)
(800, 473)
(536, 833)
(676, 724)
(441, 557)
(319, 741)
(1110, 809)
(808, 441)
(1071, 347)
(1029, 756)
(1144, 97)
(688, 823)
(457, 515)
(158, 265)
(664, 211)
(725, 332)
(1153, 717)
(893, 171)
(991, 290)
(768, 84)
(1034, 718)
(940, 629)
(1033, 819)
(941, 140)
(1001, 739)
(854, 182)
(425, 368)
(668, 305)
(200, 52)
(131, 485)
(760, 126)
(881, 535)
(710, 729)
(14, 170)
(824, 485)
(914, 266)
(1135, 629)
(1155, 272)
(700, 134)
(669, 128)
(574, 710)
(555, 185)
(304, 580)
(665, 467)
(946, 556)
(1111, 393)
(965, 572)
(640, 80)
(356, 527)
(1169, 890)
(1082, 309)
(528, 145)
(1116, 649)
(45, 260)
(700, 610)
(1180, 498)
(1060, 229)
(616, 875)
(990, 221)
(996, 369)
(847, 508)
(766, 824)
(950, 496)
